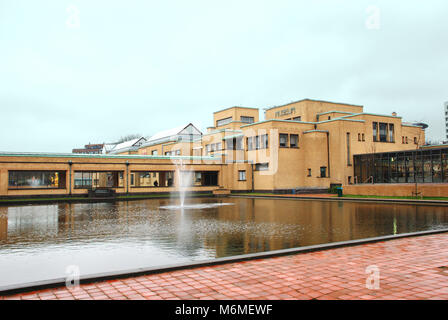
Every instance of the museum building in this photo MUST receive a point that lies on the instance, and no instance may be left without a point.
(307, 145)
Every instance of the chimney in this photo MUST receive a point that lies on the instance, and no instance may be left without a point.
(394, 114)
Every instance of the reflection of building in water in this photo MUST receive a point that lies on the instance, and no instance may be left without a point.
(32, 223)
(3, 223)
(250, 225)
(288, 223)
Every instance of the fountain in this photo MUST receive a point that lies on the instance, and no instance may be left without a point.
(185, 180)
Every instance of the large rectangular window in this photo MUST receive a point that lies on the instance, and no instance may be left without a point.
(391, 133)
(145, 179)
(294, 140)
(239, 143)
(323, 172)
(250, 143)
(97, 179)
(264, 141)
(247, 119)
(209, 178)
(261, 166)
(36, 179)
(383, 132)
(223, 122)
(428, 166)
(283, 139)
(375, 131)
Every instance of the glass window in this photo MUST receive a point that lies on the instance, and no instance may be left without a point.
(323, 172)
(97, 179)
(239, 143)
(309, 172)
(198, 178)
(242, 175)
(427, 167)
(294, 140)
(154, 152)
(257, 142)
(250, 143)
(383, 132)
(210, 178)
(36, 179)
(230, 144)
(261, 166)
(264, 141)
(152, 178)
(436, 167)
(283, 140)
(445, 165)
(391, 133)
(223, 121)
(375, 131)
(299, 118)
(401, 169)
(247, 119)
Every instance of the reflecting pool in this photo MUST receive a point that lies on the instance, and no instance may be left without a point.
(38, 242)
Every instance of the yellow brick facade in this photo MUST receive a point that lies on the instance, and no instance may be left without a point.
(318, 153)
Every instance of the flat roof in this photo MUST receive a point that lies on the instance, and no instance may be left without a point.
(421, 149)
(340, 103)
(101, 156)
(236, 107)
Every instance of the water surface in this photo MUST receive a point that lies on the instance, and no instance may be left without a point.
(38, 242)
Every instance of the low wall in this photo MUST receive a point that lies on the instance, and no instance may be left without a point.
(397, 189)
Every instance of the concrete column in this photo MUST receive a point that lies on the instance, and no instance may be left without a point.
(3, 182)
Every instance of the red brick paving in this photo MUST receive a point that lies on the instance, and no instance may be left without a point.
(410, 268)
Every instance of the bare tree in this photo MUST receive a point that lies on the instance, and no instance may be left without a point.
(129, 137)
(419, 140)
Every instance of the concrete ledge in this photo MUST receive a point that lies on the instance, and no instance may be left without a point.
(397, 189)
(375, 200)
(84, 199)
(60, 282)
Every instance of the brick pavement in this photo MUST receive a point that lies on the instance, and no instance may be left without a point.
(410, 268)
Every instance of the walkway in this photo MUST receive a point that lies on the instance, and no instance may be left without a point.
(409, 268)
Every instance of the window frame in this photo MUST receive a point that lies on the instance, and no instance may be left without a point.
(297, 140)
(240, 173)
(280, 135)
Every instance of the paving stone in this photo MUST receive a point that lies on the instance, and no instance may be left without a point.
(409, 268)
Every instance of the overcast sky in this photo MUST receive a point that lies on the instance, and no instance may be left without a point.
(80, 71)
